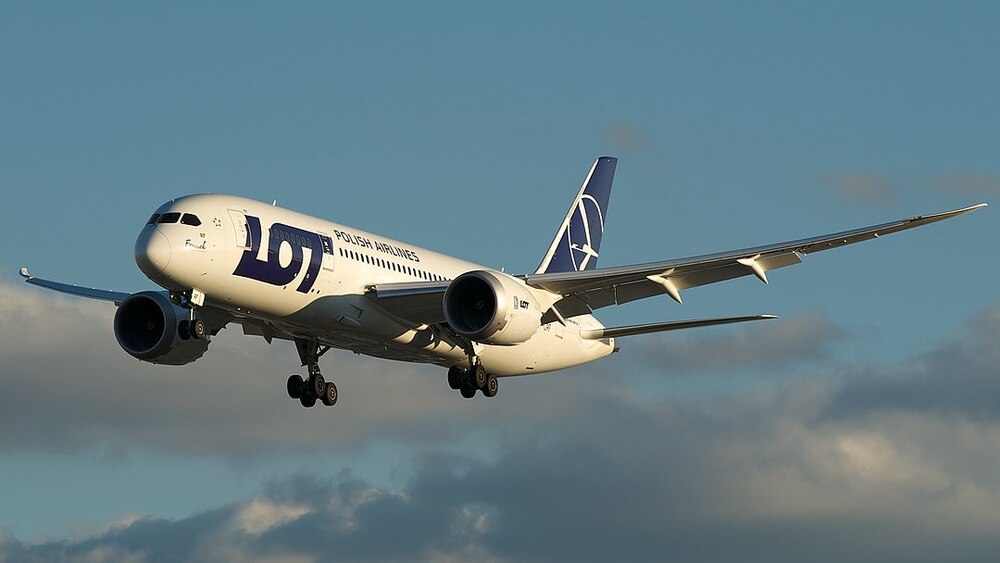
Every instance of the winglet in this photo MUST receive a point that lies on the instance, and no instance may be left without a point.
(24, 273)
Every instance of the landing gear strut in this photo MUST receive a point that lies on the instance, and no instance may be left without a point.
(307, 391)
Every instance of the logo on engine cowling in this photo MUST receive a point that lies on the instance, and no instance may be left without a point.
(270, 269)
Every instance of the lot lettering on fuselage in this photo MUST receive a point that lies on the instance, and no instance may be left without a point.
(270, 269)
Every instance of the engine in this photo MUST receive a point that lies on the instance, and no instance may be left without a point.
(151, 328)
(491, 307)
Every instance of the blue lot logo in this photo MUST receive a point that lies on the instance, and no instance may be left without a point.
(270, 270)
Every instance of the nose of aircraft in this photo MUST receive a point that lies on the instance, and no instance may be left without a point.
(152, 252)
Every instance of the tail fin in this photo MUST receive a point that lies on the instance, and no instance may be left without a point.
(578, 241)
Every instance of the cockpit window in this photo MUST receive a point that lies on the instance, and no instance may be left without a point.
(169, 218)
(153, 219)
(189, 219)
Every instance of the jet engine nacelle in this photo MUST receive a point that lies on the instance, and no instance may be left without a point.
(148, 327)
(492, 307)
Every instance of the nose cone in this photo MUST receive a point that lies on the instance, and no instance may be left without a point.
(152, 253)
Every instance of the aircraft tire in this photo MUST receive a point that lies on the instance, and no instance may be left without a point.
(317, 385)
(184, 330)
(307, 400)
(492, 386)
(478, 377)
(198, 329)
(468, 392)
(295, 386)
(329, 396)
(455, 377)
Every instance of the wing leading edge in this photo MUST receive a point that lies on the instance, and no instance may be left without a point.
(90, 293)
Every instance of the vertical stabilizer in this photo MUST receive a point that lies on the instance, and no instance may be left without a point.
(577, 243)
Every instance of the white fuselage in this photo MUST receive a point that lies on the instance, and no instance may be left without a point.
(286, 274)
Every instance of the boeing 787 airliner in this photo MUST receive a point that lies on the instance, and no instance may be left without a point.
(280, 274)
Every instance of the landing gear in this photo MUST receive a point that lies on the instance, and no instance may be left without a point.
(307, 391)
(468, 381)
(317, 384)
(329, 396)
(455, 375)
(198, 329)
(478, 376)
(492, 386)
(295, 386)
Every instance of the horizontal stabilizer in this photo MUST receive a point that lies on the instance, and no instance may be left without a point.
(598, 334)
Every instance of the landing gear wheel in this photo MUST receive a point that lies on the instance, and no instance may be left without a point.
(317, 385)
(198, 329)
(468, 392)
(478, 377)
(184, 330)
(295, 386)
(455, 375)
(329, 396)
(491, 386)
(307, 400)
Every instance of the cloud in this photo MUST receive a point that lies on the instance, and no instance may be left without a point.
(68, 387)
(969, 184)
(766, 345)
(959, 377)
(644, 481)
(836, 462)
(622, 135)
(863, 188)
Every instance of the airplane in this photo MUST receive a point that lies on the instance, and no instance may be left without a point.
(281, 274)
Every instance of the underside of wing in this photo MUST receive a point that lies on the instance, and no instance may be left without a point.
(584, 291)
(617, 332)
(419, 302)
(89, 292)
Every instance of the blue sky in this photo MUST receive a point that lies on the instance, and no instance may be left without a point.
(467, 128)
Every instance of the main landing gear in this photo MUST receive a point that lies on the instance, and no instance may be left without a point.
(308, 391)
(468, 381)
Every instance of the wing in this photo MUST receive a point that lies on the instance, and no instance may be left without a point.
(599, 333)
(418, 302)
(588, 290)
(91, 293)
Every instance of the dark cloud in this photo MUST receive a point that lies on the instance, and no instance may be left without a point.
(833, 462)
(863, 188)
(644, 481)
(959, 377)
(763, 345)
